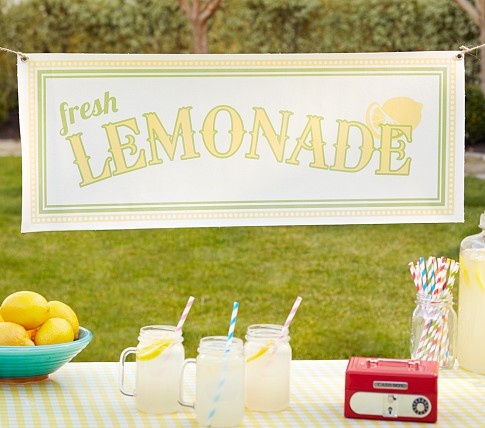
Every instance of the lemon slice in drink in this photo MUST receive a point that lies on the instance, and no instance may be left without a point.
(260, 353)
(153, 350)
(471, 267)
(477, 260)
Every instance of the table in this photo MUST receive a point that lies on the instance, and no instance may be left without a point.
(87, 395)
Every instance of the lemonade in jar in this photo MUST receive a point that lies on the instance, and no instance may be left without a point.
(219, 383)
(159, 359)
(471, 304)
(268, 360)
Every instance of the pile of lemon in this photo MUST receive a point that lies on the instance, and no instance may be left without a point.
(28, 319)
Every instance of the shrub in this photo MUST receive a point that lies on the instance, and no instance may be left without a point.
(240, 26)
(474, 115)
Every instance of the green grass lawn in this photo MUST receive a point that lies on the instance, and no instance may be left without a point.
(358, 295)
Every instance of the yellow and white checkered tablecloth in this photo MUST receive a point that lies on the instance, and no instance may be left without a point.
(87, 394)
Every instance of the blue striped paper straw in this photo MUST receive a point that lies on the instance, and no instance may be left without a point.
(431, 274)
(422, 267)
(220, 385)
(232, 327)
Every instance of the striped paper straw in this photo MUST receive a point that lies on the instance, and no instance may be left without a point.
(284, 330)
(435, 264)
(454, 268)
(290, 317)
(431, 272)
(412, 269)
(232, 326)
(422, 268)
(441, 274)
(220, 385)
(419, 278)
(178, 329)
(184, 314)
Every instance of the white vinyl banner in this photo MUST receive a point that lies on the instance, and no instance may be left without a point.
(155, 141)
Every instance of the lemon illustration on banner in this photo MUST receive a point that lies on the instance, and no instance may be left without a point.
(395, 111)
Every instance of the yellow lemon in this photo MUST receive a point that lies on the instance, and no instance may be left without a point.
(53, 331)
(31, 333)
(479, 279)
(153, 350)
(1, 319)
(397, 110)
(12, 334)
(260, 353)
(27, 308)
(61, 310)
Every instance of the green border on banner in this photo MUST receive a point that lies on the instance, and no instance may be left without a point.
(43, 76)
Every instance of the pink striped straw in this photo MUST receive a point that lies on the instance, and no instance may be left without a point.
(290, 317)
(441, 275)
(412, 269)
(184, 314)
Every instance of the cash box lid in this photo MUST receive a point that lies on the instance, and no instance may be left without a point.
(381, 375)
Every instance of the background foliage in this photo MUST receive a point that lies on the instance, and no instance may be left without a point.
(239, 26)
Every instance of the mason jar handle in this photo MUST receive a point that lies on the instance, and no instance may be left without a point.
(181, 400)
(124, 354)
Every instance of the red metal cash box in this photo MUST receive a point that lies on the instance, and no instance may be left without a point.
(388, 389)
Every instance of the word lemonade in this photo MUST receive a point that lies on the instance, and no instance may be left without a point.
(286, 147)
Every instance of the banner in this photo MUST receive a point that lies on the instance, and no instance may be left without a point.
(155, 141)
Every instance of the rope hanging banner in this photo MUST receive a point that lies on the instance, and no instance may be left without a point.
(466, 50)
(21, 55)
(154, 141)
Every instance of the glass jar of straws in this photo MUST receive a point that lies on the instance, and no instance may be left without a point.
(268, 359)
(434, 330)
(434, 320)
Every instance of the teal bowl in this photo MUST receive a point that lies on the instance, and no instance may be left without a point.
(33, 363)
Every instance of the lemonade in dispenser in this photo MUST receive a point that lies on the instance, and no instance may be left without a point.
(471, 303)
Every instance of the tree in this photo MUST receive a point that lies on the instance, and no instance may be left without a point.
(284, 25)
(476, 11)
(199, 12)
